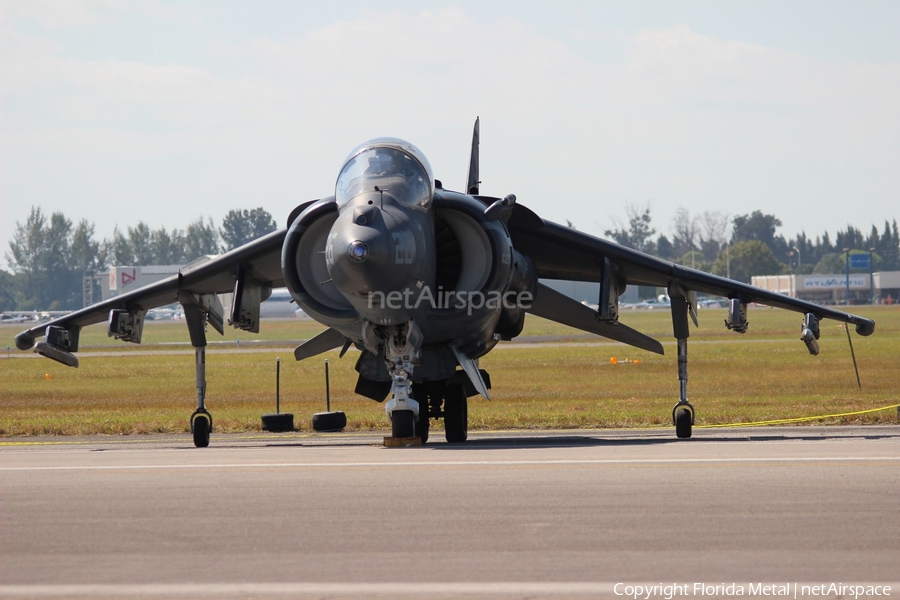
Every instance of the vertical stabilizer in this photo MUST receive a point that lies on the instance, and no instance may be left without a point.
(473, 181)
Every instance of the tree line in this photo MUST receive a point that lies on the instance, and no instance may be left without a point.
(751, 245)
(49, 256)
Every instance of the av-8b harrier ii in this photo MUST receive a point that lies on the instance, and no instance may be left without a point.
(423, 281)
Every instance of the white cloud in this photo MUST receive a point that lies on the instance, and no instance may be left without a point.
(675, 117)
(58, 14)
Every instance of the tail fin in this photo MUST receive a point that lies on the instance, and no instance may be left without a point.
(473, 181)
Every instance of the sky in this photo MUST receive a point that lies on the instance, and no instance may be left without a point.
(117, 111)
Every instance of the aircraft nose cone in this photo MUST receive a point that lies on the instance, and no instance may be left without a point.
(363, 257)
(358, 251)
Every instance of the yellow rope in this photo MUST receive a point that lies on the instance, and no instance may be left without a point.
(798, 419)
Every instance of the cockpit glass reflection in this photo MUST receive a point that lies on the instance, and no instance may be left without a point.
(391, 171)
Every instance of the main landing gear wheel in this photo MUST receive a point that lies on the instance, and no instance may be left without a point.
(683, 418)
(421, 396)
(456, 414)
(422, 422)
(201, 425)
(403, 424)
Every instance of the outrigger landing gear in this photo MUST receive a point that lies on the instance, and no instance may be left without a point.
(197, 311)
(201, 420)
(683, 413)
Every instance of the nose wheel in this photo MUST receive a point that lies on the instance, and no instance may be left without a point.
(403, 424)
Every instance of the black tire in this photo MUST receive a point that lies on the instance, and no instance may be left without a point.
(683, 423)
(278, 422)
(420, 395)
(422, 421)
(456, 414)
(201, 426)
(403, 424)
(329, 421)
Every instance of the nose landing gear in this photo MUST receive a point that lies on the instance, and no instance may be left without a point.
(402, 409)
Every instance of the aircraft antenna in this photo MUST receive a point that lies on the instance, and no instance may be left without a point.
(853, 354)
(473, 181)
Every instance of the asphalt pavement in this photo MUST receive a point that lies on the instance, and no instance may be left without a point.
(581, 514)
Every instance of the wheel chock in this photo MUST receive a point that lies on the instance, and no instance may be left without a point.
(278, 422)
(329, 421)
(392, 442)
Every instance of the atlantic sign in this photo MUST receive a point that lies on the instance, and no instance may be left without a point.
(831, 282)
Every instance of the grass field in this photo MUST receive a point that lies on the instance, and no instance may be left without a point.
(562, 378)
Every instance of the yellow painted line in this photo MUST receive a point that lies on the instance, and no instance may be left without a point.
(153, 439)
(150, 439)
(797, 419)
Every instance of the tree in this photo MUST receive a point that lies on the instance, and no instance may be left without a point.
(664, 248)
(894, 248)
(141, 245)
(684, 227)
(748, 258)
(201, 239)
(26, 259)
(889, 246)
(42, 260)
(713, 226)
(86, 256)
(830, 264)
(118, 250)
(836, 263)
(852, 238)
(755, 226)
(695, 260)
(639, 234)
(761, 227)
(242, 226)
(168, 248)
(8, 287)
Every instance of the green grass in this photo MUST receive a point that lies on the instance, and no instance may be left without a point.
(765, 374)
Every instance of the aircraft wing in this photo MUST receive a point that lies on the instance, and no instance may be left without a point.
(254, 267)
(560, 252)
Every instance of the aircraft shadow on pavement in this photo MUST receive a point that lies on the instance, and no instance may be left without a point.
(577, 441)
(500, 442)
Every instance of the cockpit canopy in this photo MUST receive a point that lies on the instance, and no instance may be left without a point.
(393, 166)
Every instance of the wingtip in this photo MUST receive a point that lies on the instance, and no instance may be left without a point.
(865, 326)
(24, 341)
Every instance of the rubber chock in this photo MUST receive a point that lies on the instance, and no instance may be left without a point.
(278, 422)
(329, 421)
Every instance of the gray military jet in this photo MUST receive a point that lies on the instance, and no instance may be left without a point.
(423, 281)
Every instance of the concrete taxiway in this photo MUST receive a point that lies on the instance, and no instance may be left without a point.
(507, 515)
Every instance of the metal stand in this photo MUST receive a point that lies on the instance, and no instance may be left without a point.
(278, 421)
(329, 421)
